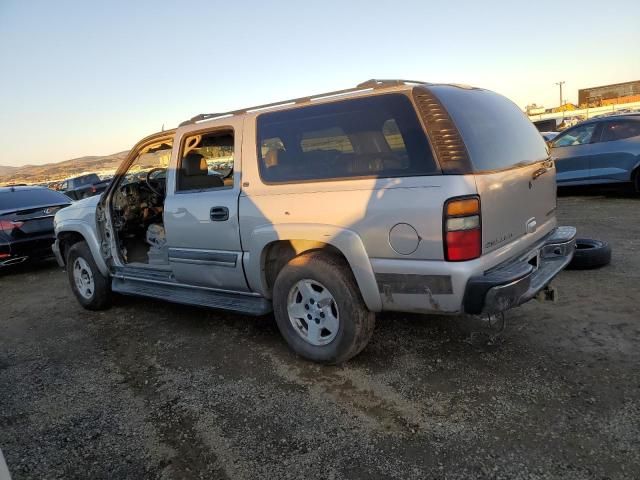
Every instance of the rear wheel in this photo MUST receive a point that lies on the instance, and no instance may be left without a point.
(319, 309)
(91, 288)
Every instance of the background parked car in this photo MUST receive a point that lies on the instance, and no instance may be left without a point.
(26, 222)
(601, 150)
(83, 186)
(548, 136)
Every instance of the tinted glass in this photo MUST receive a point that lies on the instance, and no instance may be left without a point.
(30, 198)
(367, 137)
(580, 135)
(619, 130)
(497, 134)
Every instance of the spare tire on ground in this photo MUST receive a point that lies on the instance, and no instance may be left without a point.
(590, 254)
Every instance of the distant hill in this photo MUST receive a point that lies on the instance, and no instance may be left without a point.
(6, 170)
(61, 170)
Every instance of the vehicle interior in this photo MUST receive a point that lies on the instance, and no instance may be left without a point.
(137, 204)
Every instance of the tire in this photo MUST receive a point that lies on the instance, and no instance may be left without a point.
(93, 291)
(635, 180)
(346, 325)
(590, 254)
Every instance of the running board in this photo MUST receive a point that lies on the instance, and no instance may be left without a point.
(234, 302)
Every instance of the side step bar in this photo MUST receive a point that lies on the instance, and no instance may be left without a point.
(234, 302)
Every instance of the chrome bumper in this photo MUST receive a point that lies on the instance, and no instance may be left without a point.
(519, 280)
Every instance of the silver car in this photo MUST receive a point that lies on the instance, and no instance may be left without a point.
(390, 196)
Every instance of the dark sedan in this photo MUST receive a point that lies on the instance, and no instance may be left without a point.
(600, 150)
(26, 222)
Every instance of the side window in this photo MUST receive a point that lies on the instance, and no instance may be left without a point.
(378, 136)
(393, 136)
(330, 139)
(619, 130)
(206, 161)
(576, 136)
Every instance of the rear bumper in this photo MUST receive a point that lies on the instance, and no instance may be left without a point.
(518, 281)
(18, 251)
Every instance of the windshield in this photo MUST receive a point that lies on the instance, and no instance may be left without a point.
(153, 157)
(497, 134)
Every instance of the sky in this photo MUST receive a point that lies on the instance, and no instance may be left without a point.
(91, 78)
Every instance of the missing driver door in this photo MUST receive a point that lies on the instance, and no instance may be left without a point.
(201, 210)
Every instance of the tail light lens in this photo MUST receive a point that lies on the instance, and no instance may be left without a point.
(9, 225)
(462, 229)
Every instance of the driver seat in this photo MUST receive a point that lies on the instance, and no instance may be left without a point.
(194, 174)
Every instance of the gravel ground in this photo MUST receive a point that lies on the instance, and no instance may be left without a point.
(155, 390)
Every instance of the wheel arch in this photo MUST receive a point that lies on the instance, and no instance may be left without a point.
(273, 246)
(73, 233)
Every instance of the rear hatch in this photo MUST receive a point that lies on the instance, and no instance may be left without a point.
(514, 176)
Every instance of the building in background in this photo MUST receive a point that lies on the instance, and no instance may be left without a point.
(609, 94)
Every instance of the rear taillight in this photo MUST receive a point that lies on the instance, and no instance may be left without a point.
(462, 229)
(8, 225)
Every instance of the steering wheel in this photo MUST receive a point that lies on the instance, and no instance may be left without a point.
(156, 185)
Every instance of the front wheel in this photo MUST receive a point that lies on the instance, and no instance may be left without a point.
(91, 288)
(319, 309)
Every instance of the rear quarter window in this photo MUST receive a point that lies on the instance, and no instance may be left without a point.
(496, 133)
(357, 138)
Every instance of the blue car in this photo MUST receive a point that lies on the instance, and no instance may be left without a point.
(597, 151)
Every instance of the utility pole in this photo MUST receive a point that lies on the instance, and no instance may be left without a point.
(560, 83)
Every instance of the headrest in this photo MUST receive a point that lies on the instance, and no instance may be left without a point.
(194, 164)
(271, 158)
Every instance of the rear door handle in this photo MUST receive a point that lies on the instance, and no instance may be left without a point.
(219, 214)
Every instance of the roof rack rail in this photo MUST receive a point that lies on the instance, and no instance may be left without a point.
(368, 85)
(388, 82)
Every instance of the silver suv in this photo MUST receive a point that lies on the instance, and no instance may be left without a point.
(392, 195)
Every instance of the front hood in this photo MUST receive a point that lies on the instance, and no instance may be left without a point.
(85, 203)
(80, 210)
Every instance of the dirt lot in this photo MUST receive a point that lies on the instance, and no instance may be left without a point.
(155, 390)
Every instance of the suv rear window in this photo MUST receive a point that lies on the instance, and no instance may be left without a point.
(32, 197)
(366, 137)
(497, 134)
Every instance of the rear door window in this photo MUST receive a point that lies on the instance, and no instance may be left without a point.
(619, 130)
(207, 161)
(367, 137)
(496, 133)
